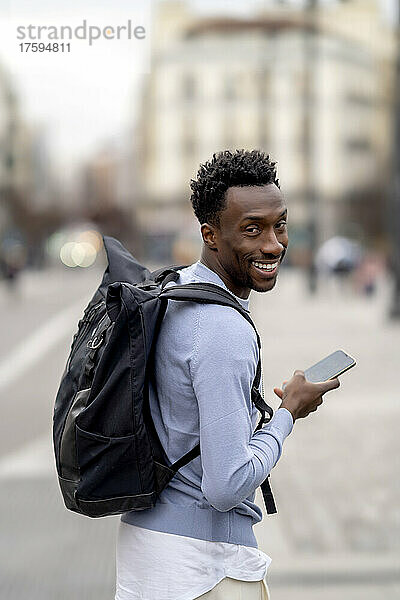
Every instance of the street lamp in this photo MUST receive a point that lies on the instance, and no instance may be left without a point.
(309, 97)
(395, 193)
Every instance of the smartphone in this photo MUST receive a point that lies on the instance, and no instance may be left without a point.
(329, 367)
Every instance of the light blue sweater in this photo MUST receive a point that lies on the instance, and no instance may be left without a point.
(206, 359)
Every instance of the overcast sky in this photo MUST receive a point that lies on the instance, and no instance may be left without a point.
(85, 96)
(90, 94)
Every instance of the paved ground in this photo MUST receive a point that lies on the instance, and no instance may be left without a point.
(337, 484)
(337, 531)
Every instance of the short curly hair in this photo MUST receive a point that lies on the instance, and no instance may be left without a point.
(224, 170)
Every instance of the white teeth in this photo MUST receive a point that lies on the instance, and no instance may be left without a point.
(265, 267)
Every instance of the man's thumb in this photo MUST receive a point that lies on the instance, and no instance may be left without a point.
(278, 392)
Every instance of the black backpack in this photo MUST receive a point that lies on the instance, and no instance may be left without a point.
(108, 455)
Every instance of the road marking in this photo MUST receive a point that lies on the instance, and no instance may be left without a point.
(32, 348)
(33, 460)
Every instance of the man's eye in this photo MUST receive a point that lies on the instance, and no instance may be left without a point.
(281, 225)
(252, 229)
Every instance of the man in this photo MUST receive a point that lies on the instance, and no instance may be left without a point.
(198, 540)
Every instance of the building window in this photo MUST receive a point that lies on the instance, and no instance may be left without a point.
(358, 145)
(358, 99)
(188, 136)
(229, 89)
(188, 87)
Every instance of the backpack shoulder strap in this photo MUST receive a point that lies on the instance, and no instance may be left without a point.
(211, 293)
(166, 274)
(208, 293)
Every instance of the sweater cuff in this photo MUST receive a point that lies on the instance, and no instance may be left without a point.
(283, 421)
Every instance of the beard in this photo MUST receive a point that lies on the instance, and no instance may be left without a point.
(258, 288)
(243, 279)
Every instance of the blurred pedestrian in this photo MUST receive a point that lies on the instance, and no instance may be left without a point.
(336, 260)
(368, 273)
(13, 256)
(198, 540)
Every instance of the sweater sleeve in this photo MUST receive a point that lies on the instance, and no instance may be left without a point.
(235, 461)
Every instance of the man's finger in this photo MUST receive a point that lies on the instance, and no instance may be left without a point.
(278, 392)
(298, 372)
(326, 386)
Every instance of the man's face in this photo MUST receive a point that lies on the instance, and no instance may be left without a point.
(252, 238)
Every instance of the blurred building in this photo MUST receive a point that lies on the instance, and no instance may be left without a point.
(107, 193)
(22, 163)
(27, 211)
(8, 117)
(222, 82)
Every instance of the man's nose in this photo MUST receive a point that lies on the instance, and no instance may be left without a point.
(271, 244)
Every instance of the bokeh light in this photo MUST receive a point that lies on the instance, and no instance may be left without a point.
(75, 249)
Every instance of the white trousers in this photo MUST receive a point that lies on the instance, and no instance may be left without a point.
(233, 589)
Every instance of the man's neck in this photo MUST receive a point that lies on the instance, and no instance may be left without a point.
(215, 266)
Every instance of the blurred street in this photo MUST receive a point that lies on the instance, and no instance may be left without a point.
(109, 135)
(337, 532)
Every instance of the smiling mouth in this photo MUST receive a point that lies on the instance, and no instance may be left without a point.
(266, 268)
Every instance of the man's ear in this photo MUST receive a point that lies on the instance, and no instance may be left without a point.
(209, 236)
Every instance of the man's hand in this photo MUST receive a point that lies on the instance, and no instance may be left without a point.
(300, 397)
